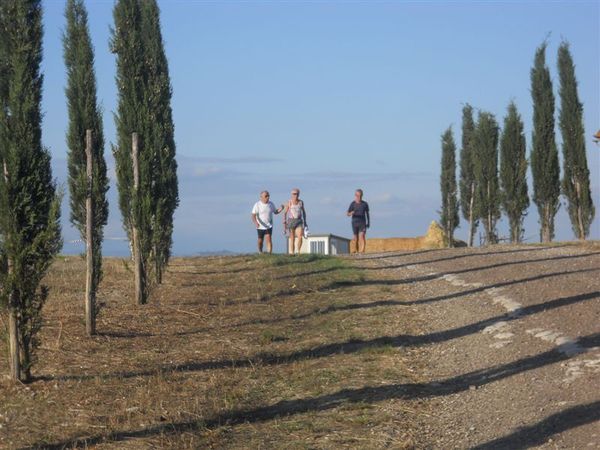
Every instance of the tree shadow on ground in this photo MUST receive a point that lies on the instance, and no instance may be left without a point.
(384, 303)
(539, 433)
(495, 265)
(367, 394)
(429, 277)
(211, 272)
(454, 257)
(322, 351)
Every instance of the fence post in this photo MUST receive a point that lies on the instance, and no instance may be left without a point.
(137, 257)
(90, 294)
(13, 324)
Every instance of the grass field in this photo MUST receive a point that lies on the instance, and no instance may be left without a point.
(231, 352)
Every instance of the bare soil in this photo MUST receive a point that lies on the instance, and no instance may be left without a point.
(460, 348)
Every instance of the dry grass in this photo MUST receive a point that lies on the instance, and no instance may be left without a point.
(231, 352)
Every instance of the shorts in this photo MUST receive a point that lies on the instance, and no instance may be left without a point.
(359, 226)
(261, 233)
(294, 223)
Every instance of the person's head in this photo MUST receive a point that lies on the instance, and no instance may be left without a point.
(264, 196)
(358, 194)
(295, 193)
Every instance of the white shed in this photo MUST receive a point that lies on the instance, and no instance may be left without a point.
(325, 244)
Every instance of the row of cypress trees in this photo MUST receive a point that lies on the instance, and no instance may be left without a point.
(30, 234)
(486, 189)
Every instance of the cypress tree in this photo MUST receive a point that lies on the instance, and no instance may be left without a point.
(84, 114)
(544, 154)
(3, 104)
(513, 172)
(485, 163)
(576, 177)
(136, 205)
(159, 136)
(449, 213)
(468, 199)
(29, 204)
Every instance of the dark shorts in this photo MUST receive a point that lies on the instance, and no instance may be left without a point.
(261, 233)
(294, 223)
(359, 226)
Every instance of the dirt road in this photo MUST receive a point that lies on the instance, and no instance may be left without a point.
(510, 337)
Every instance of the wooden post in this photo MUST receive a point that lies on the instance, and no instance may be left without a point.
(137, 257)
(13, 324)
(90, 294)
(471, 218)
(13, 330)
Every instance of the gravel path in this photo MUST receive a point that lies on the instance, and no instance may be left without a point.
(511, 336)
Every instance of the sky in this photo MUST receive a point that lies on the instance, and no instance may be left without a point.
(328, 96)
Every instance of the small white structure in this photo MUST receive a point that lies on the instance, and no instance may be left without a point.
(325, 244)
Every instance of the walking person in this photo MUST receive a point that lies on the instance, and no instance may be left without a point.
(294, 222)
(262, 216)
(359, 211)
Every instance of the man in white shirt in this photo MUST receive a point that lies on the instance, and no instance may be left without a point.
(262, 216)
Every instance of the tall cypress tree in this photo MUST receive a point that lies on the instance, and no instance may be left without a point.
(544, 155)
(468, 199)
(29, 204)
(513, 172)
(449, 213)
(3, 104)
(485, 162)
(576, 177)
(159, 135)
(84, 114)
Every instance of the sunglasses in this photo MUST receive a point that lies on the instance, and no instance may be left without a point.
(294, 193)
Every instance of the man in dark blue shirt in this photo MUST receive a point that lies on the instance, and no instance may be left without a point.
(359, 211)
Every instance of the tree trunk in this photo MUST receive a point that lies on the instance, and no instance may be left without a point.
(137, 257)
(490, 238)
(546, 223)
(471, 218)
(90, 294)
(13, 323)
(157, 266)
(13, 330)
(580, 226)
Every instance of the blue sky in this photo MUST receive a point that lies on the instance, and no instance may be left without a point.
(328, 97)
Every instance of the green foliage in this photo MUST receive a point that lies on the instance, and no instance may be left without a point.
(576, 176)
(159, 135)
(145, 107)
(449, 214)
(29, 202)
(468, 200)
(544, 154)
(513, 172)
(485, 163)
(84, 114)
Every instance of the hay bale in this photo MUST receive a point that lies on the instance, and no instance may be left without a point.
(434, 238)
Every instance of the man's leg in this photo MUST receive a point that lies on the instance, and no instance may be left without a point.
(355, 245)
(269, 243)
(260, 245)
(363, 243)
(298, 243)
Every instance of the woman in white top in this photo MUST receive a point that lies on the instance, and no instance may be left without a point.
(294, 221)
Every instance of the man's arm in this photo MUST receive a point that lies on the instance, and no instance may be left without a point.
(350, 210)
(368, 217)
(281, 208)
(253, 215)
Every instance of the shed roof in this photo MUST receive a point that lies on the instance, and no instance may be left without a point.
(329, 235)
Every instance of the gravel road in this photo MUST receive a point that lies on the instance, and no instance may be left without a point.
(511, 340)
